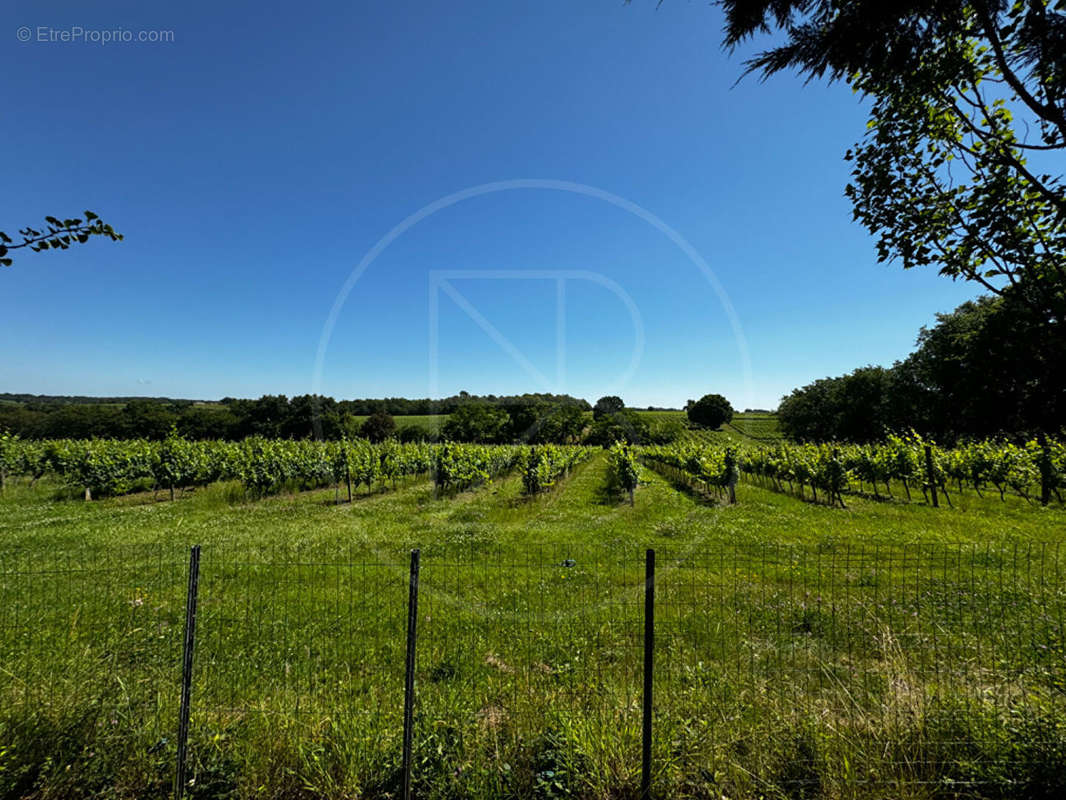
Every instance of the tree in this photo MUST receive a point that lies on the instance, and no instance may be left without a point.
(562, 425)
(987, 368)
(711, 410)
(476, 422)
(991, 366)
(378, 427)
(853, 407)
(622, 426)
(961, 164)
(607, 405)
(57, 235)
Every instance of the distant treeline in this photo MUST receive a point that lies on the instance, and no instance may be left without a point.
(533, 418)
(66, 399)
(273, 416)
(990, 368)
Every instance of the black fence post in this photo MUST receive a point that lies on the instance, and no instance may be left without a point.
(649, 652)
(932, 475)
(409, 677)
(186, 669)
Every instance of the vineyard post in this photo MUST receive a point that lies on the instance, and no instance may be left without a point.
(1045, 470)
(186, 669)
(649, 653)
(409, 673)
(931, 474)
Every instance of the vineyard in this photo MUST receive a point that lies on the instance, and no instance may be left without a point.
(109, 467)
(902, 468)
(532, 580)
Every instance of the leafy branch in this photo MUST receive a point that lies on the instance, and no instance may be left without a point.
(57, 235)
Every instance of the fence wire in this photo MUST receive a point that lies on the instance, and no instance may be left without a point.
(787, 671)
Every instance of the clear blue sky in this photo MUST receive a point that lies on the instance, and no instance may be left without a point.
(253, 163)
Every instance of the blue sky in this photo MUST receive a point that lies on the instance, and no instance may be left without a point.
(254, 161)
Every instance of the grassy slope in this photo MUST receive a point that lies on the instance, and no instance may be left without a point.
(565, 633)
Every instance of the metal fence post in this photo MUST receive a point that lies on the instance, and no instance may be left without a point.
(409, 678)
(186, 669)
(649, 652)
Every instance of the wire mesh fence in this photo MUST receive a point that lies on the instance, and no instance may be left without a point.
(790, 671)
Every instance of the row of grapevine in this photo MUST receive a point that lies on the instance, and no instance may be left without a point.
(828, 471)
(623, 473)
(542, 465)
(111, 467)
(705, 468)
(1028, 470)
(463, 466)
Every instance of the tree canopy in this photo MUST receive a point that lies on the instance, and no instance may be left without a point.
(712, 410)
(985, 369)
(611, 404)
(961, 165)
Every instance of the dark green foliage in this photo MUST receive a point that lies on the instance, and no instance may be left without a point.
(852, 408)
(378, 427)
(610, 404)
(622, 426)
(711, 410)
(416, 433)
(403, 407)
(539, 422)
(992, 366)
(562, 425)
(477, 422)
(530, 418)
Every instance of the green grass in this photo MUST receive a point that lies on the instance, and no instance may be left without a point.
(803, 651)
(431, 422)
(743, 429)
(761, 427)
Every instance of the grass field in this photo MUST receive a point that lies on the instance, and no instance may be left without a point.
(803, 651)
(431, 422)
